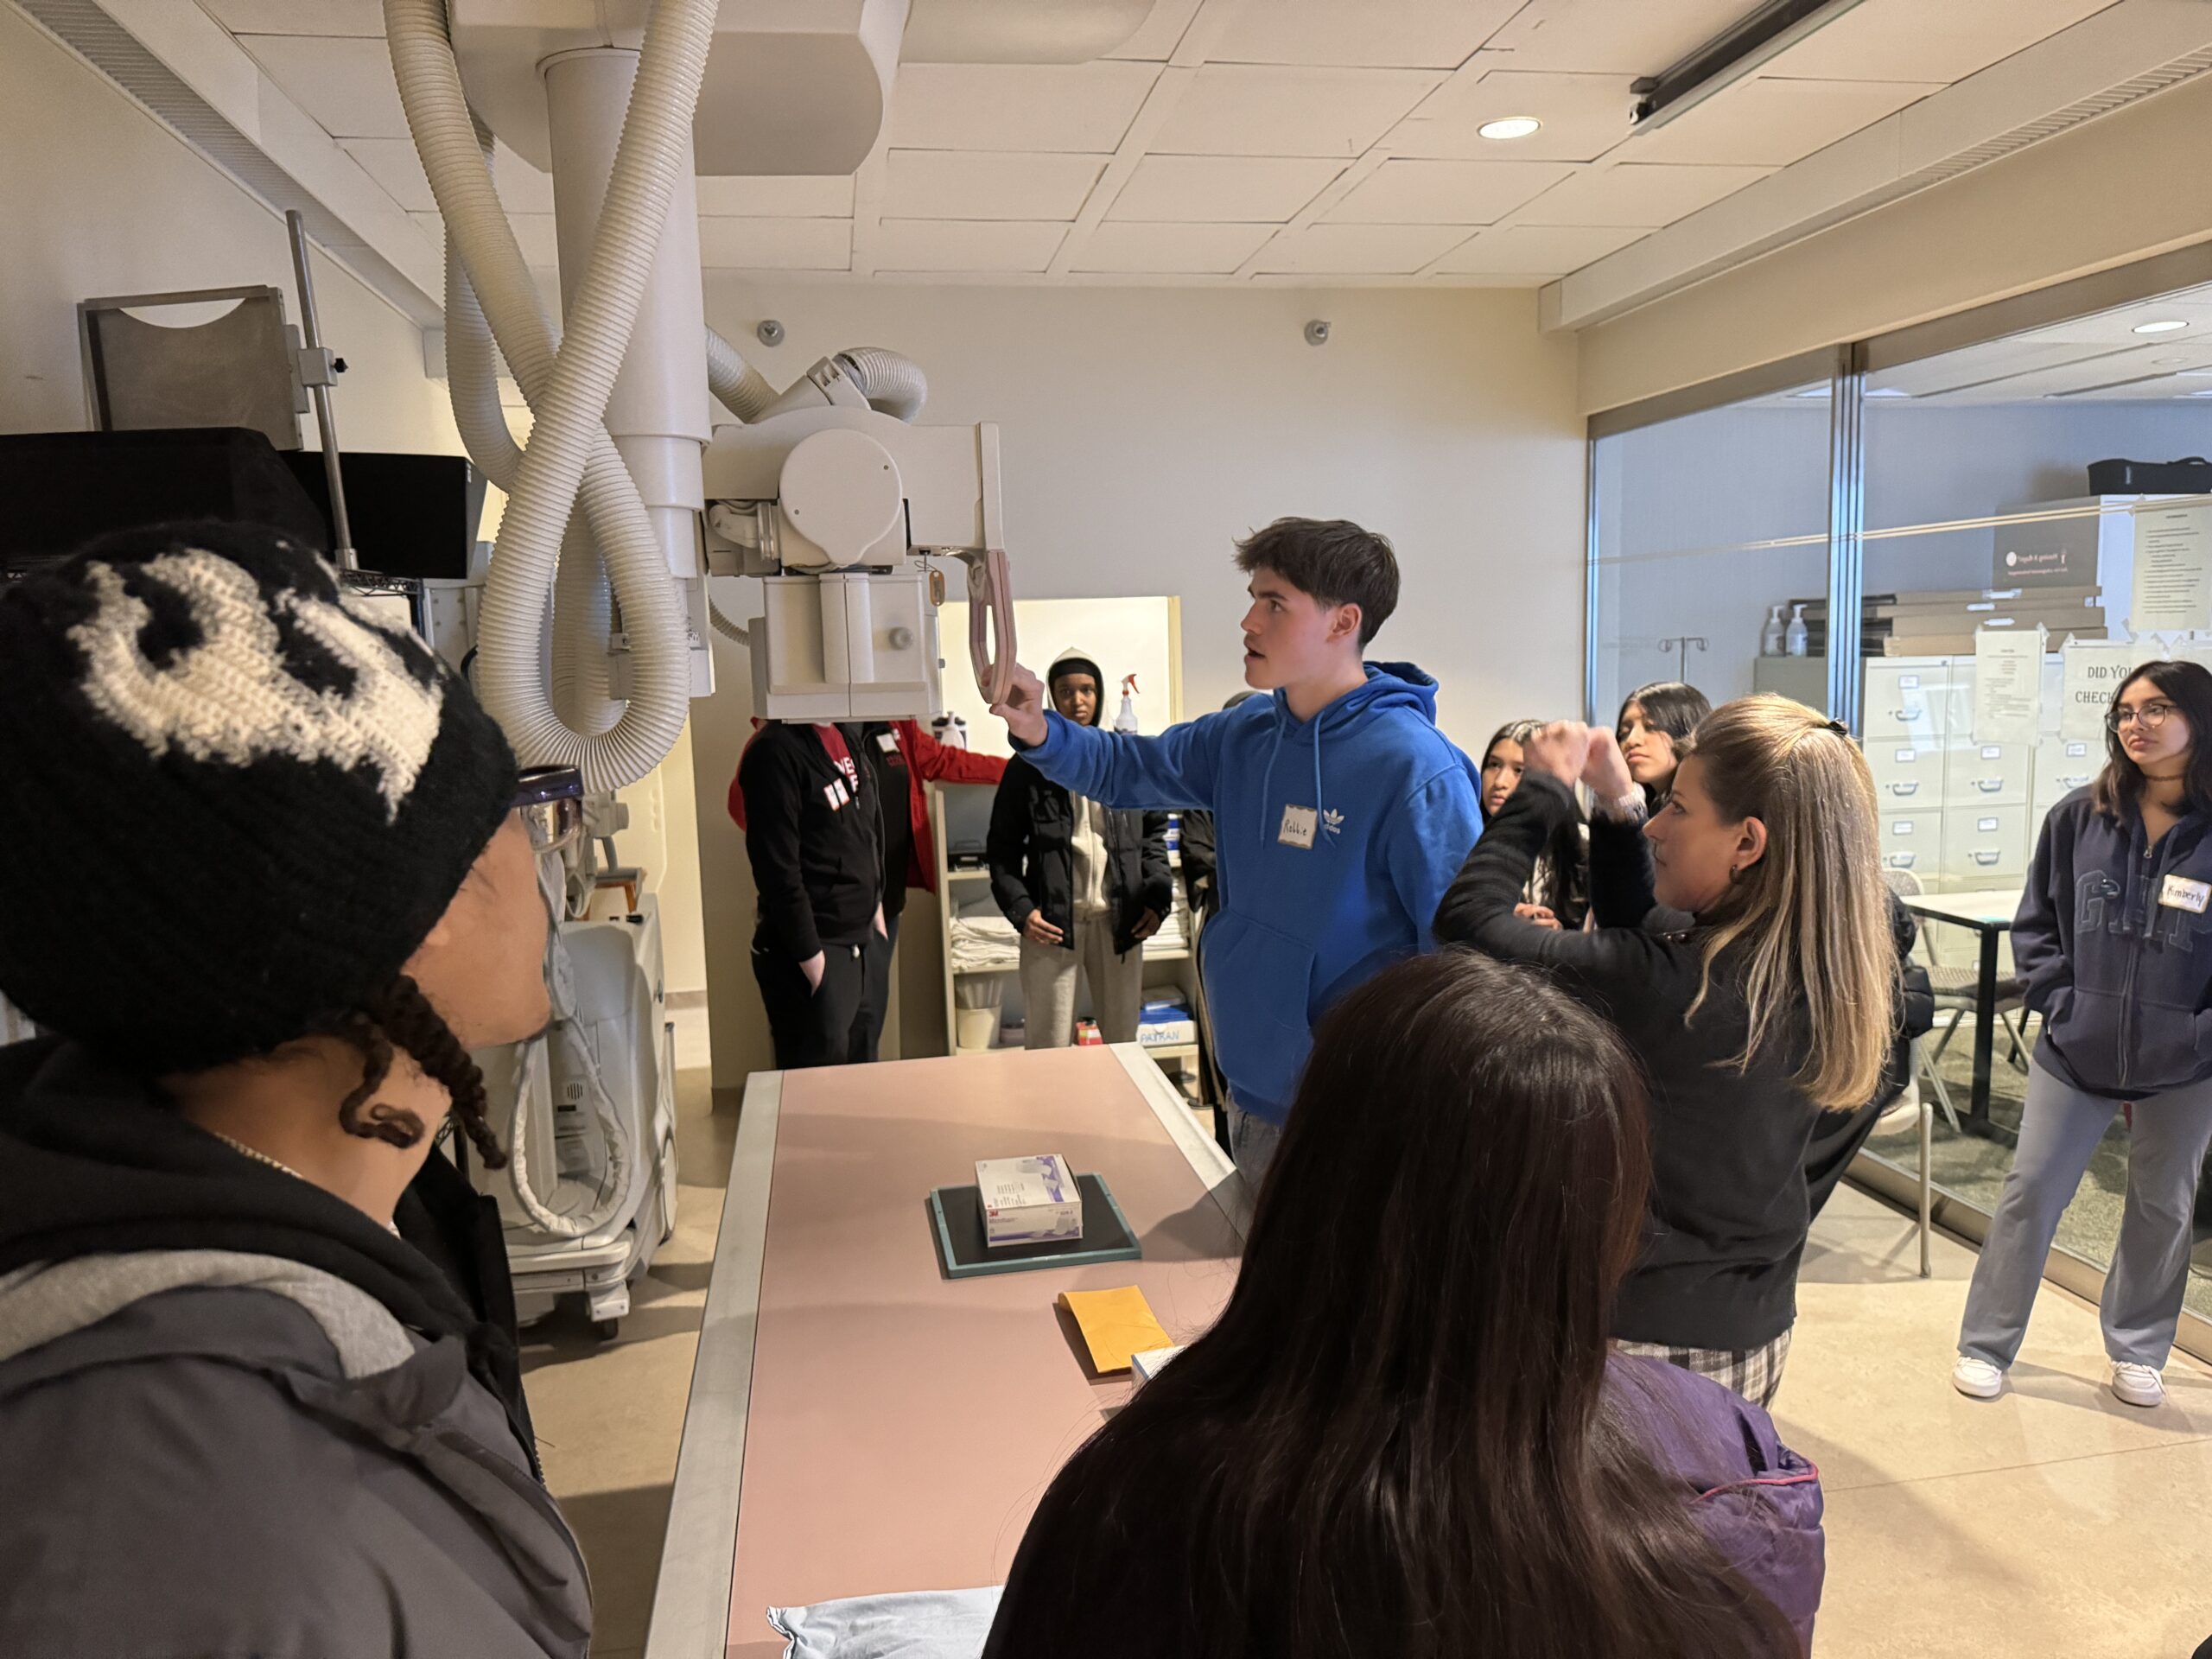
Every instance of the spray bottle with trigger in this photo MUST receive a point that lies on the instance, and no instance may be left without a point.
(1127, 720)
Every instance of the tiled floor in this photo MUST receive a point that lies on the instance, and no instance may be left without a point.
(2053, 1523)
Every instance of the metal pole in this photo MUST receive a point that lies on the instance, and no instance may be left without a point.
(1846, 525)
(1590, 581)
(317, 370)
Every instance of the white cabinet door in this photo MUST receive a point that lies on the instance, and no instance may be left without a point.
(1913, 840)
(1983, 775)
(1985, 848)
(1908, 776)
(1906, 702)
(2062, 766)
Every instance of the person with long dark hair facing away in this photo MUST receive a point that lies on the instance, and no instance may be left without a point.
(1743, 947)
(2112, 945)
(1558, 894)
(1656, 724)
(1405, 1436)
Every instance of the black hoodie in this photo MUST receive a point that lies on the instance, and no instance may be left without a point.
(91, 1162)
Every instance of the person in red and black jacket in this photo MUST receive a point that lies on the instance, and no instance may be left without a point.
(806, 798)
(905, 758)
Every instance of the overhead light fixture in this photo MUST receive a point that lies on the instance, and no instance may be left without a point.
(1811, 392)
(2163, 326)
(1728, 57)
(2195, 374)
(1511, 126)
(1888, 391)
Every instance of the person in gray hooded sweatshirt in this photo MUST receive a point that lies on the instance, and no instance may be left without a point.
(282, 892)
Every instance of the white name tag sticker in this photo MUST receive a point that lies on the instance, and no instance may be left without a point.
(887, 742)
(2180, 893)
(1298, 826)
(835, 794)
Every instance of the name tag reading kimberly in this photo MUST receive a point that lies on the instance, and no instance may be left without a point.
(1299, 823)
(2180, 893)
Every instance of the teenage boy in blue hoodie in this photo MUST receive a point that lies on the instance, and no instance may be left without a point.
(1341, 813)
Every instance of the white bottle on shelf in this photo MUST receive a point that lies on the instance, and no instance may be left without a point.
(1795, 635)
(1771, 640)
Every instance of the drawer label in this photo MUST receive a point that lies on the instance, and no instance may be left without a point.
(1984, 826)
(1908, 681)
(1902, 827)
(1993, 752)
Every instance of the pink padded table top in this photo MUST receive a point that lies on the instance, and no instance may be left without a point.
(902, 1426)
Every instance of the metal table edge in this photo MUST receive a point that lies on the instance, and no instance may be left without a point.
(691, 1597)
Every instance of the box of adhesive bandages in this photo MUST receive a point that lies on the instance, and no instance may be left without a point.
(1028, 1200)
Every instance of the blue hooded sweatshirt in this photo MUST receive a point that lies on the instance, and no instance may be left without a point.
(1396, 806)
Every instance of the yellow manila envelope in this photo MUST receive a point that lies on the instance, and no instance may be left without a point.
(1116, 1325)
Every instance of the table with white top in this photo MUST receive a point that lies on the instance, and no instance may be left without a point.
(1989, 911)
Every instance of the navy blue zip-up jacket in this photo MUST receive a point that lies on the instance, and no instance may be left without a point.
(2119, 970)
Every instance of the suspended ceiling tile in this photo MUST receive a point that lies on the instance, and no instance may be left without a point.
(1446, 193)
(775, 244)
(953, 245)
(1223, 189)
(1763, 122)
(534, 234)
(364, 17)
(1916, 40)
(345, 84)
(1238, 110)
(795, 197)
(2116, 328)
(1537, 250)
(1158, 35)
(394, 165)
(1615, 37)
(1634, 194)
(1357, 250)
(968, 184)
(1403, 34)
(1584, 116)
(1020, 107)
(1171, 250)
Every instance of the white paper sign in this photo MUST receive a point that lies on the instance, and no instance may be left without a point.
(2093, 671)
(2007, 685)
(2173, 570)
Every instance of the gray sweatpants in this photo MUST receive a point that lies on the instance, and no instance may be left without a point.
(1048, 977)
(2059, 1131)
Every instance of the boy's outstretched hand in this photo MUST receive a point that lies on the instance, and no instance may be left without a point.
(1024, 707)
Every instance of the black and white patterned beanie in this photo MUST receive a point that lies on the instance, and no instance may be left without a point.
(239, 801)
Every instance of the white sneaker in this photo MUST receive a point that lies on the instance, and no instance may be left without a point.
(2138, 1385)
(1977, 1378)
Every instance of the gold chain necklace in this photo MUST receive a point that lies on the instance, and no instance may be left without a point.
(261, 1157)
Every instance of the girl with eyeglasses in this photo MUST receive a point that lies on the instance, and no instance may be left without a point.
(2113, 944)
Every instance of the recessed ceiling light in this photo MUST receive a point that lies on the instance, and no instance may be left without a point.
(1511, 126)
(2164, 325)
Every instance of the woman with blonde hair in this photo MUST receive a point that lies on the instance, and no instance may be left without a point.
(1742, 946)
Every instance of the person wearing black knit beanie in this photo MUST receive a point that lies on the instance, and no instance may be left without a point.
(273, 892)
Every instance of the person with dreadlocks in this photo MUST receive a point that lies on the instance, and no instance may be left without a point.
(272, 892)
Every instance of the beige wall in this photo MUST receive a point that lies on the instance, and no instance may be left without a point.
(1143, 429)
(99, 198)
(2113, 191)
